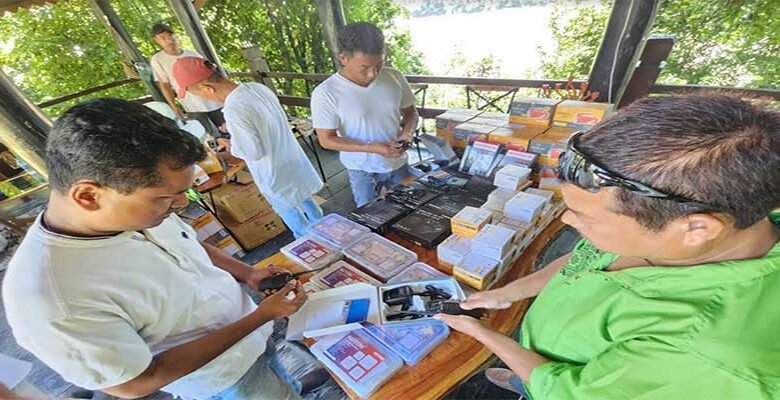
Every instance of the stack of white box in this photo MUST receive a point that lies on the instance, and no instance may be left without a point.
(525, 207)
(512, 177)
(495, 242)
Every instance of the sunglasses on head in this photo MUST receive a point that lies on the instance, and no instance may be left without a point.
(577, 168)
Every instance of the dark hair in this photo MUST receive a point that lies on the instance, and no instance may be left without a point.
(160, 27)
(118, 144)
(361, 37)
(714, 148)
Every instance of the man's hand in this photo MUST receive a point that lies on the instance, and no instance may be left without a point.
(278, 305)
(388, 149)
(462, 323)
(223, 144)
(495, 299)
(256, 275)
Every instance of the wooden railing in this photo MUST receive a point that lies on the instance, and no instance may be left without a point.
(428, 112)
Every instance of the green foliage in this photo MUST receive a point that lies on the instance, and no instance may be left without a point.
(717, 42)
(61, 48)
(442, 7)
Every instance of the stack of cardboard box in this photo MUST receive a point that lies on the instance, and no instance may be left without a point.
(246, 214)
(209, 230)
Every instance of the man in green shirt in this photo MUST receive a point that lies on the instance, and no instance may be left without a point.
(674, 291)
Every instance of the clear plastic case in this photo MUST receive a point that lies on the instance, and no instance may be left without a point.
(337, 230)
(380, 256)
(418, 271)
(358, 359)
(311, 253)
(411, 340)
(341, 274)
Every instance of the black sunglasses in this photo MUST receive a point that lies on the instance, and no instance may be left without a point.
(580, 170)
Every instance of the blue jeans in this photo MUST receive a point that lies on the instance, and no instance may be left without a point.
(298, 218)
(366, 186)
(517, 386)
(266, 379)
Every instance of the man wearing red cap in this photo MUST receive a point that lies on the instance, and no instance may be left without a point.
(261, 136)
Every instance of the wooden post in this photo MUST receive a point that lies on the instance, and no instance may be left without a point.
(23, 126)
(654, 54)
(257, 66)
(628, 24)
(188, 18)
(106, 14)
(331, 13)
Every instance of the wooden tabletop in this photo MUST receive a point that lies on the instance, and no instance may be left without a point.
(460, 356)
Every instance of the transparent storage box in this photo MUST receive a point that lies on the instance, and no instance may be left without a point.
(358, 359)
(311, 253)
(380, 256)
(411, 340)
(337, 230)
(418, 271)
(341, 274)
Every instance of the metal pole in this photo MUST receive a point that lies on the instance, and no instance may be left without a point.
(331, 13)
(106, 14)
(628, 25)
(188, 18)
(23, 126)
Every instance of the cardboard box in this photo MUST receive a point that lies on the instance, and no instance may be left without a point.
(480, 120)
(239, 202)
(476, 271)
(230, 246)
(211, 164)
(499, 116)
(511, 177)
(518, 136)
(493, 241)
(525, 207)
(468, 131)
(580, 115)
(453, 250)
(522, 229)
(470, 220)
(550, 145)
(446, 123)
(533, 111)
(261, 228)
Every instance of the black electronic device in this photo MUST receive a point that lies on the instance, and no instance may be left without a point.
(423, 227)
(413, 195)
(451, 202)
(437, 307)
(379, 214)
(479, 187)
(276, 282)
(404, 144)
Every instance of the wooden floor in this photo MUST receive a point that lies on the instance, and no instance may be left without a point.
(338, 199)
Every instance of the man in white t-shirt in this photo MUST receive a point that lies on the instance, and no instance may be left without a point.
(365, 111)
(112, 290)
(262, 137)
(206, 112)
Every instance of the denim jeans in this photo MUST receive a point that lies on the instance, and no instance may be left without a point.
(366, 186)
(517, 386)
(265, 380)
(298, 218)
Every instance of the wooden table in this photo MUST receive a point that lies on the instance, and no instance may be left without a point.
(460, 356)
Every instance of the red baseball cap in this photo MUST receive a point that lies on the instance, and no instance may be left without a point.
(191, 70)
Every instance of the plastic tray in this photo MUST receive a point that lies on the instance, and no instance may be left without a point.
(337, 230)
(340, 274)
(380, 256)
(358, 359)
(311, 253)
(411, 340)
(418, 271)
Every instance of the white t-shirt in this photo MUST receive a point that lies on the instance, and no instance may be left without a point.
(365, 114)
(96, 310)
(162, 69)
(261, 136)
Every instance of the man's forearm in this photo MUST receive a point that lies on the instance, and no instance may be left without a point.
(225, 261)
(170, 97)
(336, 143)
(181, 360)
(409, 122)
(519, 359)
(532, 285)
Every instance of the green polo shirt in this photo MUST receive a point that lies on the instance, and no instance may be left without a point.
(709, 331)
